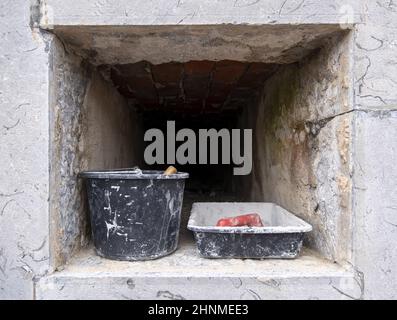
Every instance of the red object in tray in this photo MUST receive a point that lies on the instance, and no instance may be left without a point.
(246, 220)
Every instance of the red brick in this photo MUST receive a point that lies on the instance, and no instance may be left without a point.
(199, 68)
(167, 73)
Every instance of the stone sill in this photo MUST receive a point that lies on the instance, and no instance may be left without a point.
(57, 13)
(184, 274)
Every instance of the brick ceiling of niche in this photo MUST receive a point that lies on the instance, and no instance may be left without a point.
(194, 86)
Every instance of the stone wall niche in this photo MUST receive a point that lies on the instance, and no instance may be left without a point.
(109, 84)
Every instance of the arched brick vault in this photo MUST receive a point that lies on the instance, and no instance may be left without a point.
(192, 87)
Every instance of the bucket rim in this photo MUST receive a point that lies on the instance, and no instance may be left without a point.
(131, 174)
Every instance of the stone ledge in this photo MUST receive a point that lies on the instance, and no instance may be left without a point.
(126, 12)
(184, 275)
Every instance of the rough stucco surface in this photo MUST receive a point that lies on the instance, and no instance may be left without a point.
(91, 128)
(302, 159)
(24, 242)
(70, 79)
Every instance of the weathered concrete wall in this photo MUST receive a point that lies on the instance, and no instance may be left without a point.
(24, 145)
(91, 127)
(302, 149)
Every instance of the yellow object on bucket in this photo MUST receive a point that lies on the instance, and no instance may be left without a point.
(170, 170)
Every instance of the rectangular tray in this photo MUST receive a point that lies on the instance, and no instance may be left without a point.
(281, 236)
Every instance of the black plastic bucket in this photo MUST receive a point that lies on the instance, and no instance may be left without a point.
(135, 215)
